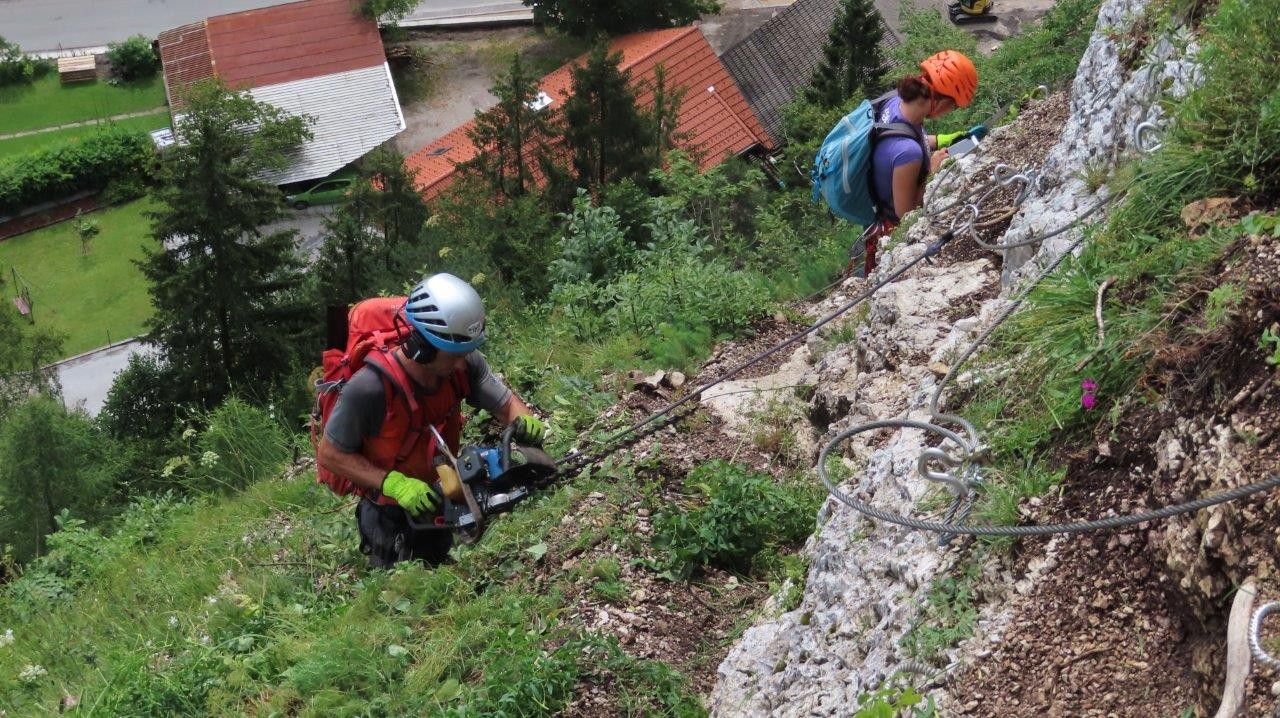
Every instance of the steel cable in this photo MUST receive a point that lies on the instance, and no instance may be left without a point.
(1110, 523)
(577, 461)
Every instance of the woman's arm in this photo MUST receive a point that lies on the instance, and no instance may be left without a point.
(906, 188)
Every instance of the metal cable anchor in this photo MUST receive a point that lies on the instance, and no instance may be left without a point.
(1255, 636)
(1146, 137)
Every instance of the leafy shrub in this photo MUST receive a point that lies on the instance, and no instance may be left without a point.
(138, 405)
(16, 67)
(133, 59)
(744, 512)
(88, 164)
(593, 247)
(242, 445)
(123, 189)
(50, 460)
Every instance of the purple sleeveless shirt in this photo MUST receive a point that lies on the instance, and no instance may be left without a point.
(890, 153)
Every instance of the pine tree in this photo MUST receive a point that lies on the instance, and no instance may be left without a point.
(608, 138)
(371, 239)
(514, 135)
(590, 18)
(398, 209)
(228, 313)
(853, 62)
(346, 269)
(664, 115)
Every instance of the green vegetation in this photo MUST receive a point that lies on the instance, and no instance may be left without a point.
(853, 63)
(228, 310)
(99, 159)
(593, 18)
(93, 298)
(52, 464)
(1222, 142)
(48, 103)
(252, 599)
(949, 614)
(134, 59)
(741, 514)
(16, 67)
(895, 698)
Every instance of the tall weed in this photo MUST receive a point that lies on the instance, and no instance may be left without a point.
(742, 513)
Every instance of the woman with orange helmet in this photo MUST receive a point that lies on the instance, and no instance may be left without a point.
(900, 165)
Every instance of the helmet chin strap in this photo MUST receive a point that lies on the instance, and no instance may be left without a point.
(417, 348)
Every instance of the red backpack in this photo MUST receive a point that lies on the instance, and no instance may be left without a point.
(373, 325)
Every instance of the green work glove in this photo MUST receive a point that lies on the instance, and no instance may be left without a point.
(945, 141)
(413, 495)
(530, 430)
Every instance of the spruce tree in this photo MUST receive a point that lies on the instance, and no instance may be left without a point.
(513, 136)
(398, 209)
(608, 138)
(664, 115)
(371, 239)
(852, 60)
(590, 18)
(346, 269)
(228, 313)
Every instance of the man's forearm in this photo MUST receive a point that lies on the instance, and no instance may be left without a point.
(355, 467)
(510, 410)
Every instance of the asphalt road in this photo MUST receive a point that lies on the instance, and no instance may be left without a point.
(87, 378)
(50, 25)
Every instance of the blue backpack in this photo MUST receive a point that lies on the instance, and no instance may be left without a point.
(842, 168)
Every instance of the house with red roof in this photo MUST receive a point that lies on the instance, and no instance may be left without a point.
(715, 120)
(319, 58)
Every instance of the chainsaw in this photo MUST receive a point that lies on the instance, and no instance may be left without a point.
(482, 482)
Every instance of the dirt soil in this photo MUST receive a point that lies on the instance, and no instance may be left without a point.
(1133, 623)
(690, 625)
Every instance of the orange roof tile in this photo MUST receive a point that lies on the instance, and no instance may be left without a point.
(272, 45)
(714, 115)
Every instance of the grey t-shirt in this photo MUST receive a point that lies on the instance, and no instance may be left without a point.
(362, 405)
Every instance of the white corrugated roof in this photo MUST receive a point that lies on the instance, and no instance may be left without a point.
(353, 112)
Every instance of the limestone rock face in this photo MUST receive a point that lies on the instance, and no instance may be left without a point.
(866, 580)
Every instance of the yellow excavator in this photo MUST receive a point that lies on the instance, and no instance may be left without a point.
(964, 12)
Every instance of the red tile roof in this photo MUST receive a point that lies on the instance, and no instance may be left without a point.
(272, 45)
(714, 115)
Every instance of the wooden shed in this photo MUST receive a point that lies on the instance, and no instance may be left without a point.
(81, 68)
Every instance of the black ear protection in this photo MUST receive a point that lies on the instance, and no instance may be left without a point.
(417, 348)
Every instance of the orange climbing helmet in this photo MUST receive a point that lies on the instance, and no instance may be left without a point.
(952, 74)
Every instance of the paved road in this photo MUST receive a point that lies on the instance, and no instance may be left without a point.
(48, 25)
(87, 378)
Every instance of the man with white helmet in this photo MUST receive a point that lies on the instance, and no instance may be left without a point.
(368, 438)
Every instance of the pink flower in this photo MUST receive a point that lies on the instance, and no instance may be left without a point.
(1087, 398)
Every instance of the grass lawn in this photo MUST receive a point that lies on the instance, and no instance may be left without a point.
(47, 103)
(96, 298)
(30, 143)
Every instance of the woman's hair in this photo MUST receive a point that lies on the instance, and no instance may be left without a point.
(913, 87)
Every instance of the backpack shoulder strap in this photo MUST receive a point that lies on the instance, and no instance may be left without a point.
(399, 385)
(462, 384)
